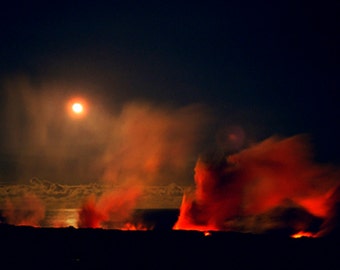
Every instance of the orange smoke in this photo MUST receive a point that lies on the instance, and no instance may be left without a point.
(147, 144)
(27, 210)
(110, 210)
(253, 182)
(148, 141)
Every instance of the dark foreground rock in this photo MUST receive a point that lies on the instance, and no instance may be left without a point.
(69, 248)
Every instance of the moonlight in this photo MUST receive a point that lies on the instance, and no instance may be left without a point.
(77, 108)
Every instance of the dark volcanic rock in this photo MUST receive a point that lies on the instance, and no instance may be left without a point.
(69, 248)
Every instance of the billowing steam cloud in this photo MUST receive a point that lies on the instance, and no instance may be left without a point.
(142, 144)
(273, 180)
(41, 140)
(258, 189)
(28, 210)
(149, 143)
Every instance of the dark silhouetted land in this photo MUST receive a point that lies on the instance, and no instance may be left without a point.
(70, 248)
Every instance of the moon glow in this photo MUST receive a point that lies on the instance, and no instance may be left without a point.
(77, 108)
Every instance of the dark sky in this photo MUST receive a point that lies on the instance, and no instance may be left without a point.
(269, 67)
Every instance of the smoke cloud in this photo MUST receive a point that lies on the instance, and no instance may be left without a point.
(150, 144)
(29, 210)
(111, 210)
(140, 144)
(133, 146)
(258, 185)
(41, 140)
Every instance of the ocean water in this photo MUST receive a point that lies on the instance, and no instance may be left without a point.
(155, 219)
(61, 218)
(150, 219)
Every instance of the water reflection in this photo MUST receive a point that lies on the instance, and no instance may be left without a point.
(61, 218)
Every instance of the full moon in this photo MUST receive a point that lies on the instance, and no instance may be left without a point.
(77, 108)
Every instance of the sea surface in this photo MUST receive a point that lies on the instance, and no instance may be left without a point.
(61, 218)
(140, 219)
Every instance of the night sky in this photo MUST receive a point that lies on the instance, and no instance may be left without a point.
(263, 67)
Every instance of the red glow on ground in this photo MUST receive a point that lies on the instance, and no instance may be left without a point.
(132, 227)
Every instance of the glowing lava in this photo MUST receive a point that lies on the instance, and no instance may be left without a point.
(132, 227)
(302, 234)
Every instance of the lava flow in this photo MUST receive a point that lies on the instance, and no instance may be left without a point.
(302, 234)
(132, 227)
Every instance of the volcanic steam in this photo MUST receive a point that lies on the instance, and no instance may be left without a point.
(273, 185)
(146, 142)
